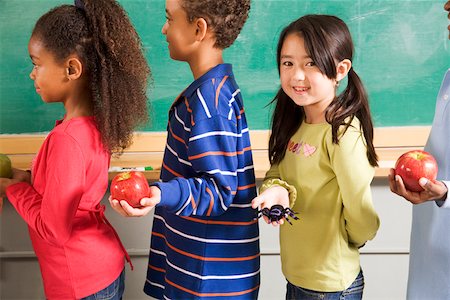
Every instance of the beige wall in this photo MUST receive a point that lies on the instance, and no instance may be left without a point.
(384, 260)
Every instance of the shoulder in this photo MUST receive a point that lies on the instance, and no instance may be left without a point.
(80, 131)
(348, 136)
(218, 96)
(352, 130)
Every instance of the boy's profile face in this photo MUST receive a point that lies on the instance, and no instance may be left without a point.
(179, 32)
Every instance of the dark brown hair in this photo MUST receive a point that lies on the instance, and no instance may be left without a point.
(327, 41)
(102, 36)
(225, 17)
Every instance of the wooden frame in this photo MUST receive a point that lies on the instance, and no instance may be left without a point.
(147, 148)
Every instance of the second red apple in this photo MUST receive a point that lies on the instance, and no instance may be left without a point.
(413, 165)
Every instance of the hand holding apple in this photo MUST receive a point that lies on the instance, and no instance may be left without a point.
(147, 204)
(432, 189)
(413, 165)
(17, 176)
(131, 187)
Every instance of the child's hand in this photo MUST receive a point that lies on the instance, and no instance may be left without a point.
(273, 195)
(433, 190)
(21, 175)
(18, 176)
(126, 210)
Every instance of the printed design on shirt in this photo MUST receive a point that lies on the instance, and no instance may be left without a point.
(301, 148)
(308, 150)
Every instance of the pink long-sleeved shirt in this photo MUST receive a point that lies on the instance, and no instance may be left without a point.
(78, 251)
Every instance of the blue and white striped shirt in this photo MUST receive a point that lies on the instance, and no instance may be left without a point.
(205, 239)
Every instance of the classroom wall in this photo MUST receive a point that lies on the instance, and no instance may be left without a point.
(401, 55)
(384, 260)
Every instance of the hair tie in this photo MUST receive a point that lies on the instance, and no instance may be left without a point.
(79, 4)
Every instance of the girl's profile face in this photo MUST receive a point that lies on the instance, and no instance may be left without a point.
(48, 75)
(302, 80)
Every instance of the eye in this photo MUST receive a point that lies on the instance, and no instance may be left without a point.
(287, 63)
(310, 64)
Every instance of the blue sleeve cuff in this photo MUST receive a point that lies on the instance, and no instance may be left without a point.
(170, 193)
(446, 202)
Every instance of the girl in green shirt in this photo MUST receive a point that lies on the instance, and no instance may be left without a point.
(322, 161)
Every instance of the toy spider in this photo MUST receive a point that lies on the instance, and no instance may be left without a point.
(276, 213)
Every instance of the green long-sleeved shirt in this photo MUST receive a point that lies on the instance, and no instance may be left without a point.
(320, 251)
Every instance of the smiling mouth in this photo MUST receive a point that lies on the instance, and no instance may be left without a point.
(300, 89)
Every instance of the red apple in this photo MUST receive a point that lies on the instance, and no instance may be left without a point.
(413, 165)
(130, 186)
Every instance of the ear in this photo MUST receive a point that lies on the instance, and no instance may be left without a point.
(74, 68)
(342, 69)
(201, 29)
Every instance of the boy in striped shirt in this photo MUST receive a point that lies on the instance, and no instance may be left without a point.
(205, 239)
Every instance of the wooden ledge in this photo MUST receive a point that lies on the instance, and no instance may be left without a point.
(147, 149)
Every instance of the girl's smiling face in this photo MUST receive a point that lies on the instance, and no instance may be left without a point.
(302, 80)
(48, 75)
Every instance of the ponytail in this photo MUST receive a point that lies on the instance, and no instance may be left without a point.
(121, 73)
(286, 120)
(101, 34)
(353, 101)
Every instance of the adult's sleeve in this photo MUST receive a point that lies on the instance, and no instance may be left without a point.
(446, 202)
(51, 213)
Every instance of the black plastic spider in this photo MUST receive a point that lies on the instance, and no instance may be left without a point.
(276, 213)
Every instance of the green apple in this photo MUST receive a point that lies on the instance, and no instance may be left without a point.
(5, 166)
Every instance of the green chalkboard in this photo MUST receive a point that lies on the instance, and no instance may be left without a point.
(402, 53)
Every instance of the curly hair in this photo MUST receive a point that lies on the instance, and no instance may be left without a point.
(102, 36)
(225, 17)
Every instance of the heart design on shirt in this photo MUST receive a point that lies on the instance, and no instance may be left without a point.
(308, 150)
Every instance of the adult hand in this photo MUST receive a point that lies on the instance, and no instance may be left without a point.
(433, 189)
(273, 195)
(147, 204)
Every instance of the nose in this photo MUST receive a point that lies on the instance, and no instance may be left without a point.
(32, 73)
(164, 28)
(299, 74)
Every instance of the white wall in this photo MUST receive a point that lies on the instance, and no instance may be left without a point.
(384, 260)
